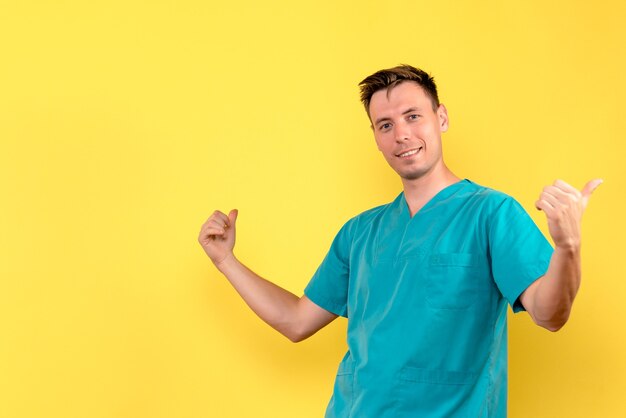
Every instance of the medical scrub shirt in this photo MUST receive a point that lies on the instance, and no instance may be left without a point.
(426, 301)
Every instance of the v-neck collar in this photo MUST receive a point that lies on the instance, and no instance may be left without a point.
(440, 195)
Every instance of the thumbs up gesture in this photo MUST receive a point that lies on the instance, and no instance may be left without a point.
(564, 206)
(217, 235)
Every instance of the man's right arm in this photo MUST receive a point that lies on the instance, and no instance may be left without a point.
(295, 317)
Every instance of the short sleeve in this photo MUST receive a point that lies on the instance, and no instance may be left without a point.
(520, 254)
(328, 288)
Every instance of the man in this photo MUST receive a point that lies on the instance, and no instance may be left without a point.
(424, 280)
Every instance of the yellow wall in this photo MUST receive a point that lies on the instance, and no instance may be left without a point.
(123, 125)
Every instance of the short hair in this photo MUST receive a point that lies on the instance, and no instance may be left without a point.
(391, 77)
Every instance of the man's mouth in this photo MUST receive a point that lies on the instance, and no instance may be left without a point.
(409, 153)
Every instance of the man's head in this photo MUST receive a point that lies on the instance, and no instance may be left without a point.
(390, 78)
(407, 120)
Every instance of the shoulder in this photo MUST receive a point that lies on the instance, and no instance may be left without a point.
(365, 218)
(490, 199)
(370, 214)
(504, 217)
(489, 207)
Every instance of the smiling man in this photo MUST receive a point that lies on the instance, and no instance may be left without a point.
(426, 279)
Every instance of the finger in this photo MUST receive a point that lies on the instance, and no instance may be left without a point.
(544, 206)
(209, 221)
(214, 231)
(215, 223)
(209, 233)
(553, 200)
(566, 187)
(232, 216)
(222, 217)
(588, 189)
(591, 186)
(561, 196)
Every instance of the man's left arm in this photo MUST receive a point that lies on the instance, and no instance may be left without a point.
(549, 299)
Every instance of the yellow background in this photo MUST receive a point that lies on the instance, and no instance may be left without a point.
(123, 125)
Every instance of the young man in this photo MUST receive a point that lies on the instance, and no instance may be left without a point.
(424, 280)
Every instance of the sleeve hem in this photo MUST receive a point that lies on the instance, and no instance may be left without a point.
(326, 304)
(514, 297)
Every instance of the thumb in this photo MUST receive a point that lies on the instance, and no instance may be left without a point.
(589, 188)
(232, 216)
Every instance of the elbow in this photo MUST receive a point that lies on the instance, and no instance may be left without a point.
(553, 321)
(296, 336)
(553, 325)
(296, 333)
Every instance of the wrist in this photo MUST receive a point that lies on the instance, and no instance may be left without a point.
(225, 263)
(570, 248)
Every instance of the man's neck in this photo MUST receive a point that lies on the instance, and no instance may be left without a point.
(419, 191)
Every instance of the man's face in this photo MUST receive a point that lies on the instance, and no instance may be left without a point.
(407, 129)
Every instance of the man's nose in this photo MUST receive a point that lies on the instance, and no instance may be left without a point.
(401, 132)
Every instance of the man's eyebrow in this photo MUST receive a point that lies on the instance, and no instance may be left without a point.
(409, 110)
(381, 119)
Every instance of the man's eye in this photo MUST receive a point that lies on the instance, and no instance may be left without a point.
(385, 126)
(413, 117)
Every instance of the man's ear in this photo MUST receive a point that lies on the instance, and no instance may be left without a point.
(442, 115)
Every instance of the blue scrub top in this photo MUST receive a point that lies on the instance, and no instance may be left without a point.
(426, 300)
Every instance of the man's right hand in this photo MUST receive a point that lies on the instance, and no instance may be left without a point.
(294, 317)
(217, 235)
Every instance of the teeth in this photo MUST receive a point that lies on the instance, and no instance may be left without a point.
(406, 154)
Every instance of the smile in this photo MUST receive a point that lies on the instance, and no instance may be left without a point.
(409, 153)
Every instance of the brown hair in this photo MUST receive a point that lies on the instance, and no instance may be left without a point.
(391, 77)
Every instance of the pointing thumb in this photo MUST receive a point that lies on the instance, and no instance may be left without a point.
(591, 186)
(232, 216)
(588, 189)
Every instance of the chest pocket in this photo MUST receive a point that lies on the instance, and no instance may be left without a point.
(457, 281)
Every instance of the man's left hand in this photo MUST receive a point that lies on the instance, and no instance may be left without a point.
(564, 206)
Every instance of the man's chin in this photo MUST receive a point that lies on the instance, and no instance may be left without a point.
(412, 175)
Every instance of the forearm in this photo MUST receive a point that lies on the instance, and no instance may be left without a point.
(273, 304)
(556, 291)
